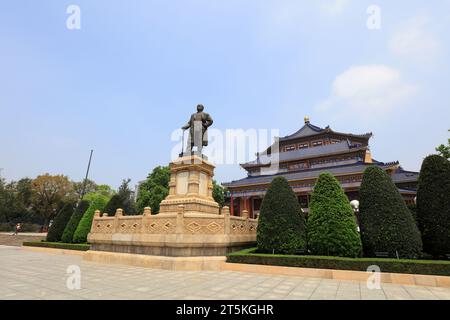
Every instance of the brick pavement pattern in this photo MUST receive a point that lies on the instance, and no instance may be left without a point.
(35, 275)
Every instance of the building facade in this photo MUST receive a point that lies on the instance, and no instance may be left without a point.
(303, 156)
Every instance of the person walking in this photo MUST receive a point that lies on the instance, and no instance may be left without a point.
(17, 230)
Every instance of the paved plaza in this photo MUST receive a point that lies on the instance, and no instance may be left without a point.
(34, 275)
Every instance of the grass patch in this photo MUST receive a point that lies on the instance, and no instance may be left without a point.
(58, 245)
(426, 267)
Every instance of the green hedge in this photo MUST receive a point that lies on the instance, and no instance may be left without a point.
(426, 267)
(58, 245)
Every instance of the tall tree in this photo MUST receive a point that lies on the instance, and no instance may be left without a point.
(127, 197)
(25, 191)
(281, 226)
(123, 199)
(100, 190)
(78, 187)
(48, 193)
(387, 225)
(218, 193)
(444, 150)
(332, 228)
(13, 208)
(153, 190)
(433, 205)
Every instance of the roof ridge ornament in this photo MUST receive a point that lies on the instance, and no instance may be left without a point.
(307, 120)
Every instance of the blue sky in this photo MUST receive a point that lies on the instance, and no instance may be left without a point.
(135, 71)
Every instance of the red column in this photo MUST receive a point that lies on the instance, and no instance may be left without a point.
(232, 205)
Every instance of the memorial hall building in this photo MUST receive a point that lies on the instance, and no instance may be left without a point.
(303, 156)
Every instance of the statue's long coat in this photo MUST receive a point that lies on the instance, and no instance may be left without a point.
(206, 121)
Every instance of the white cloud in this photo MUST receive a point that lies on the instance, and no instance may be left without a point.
(368, 91)
(334, 7)
(414, 41)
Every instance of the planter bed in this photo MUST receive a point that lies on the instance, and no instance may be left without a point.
(58, 245)
(425, 267)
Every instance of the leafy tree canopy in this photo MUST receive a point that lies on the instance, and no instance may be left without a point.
(154, 189)
(48, 193)
(218, 193)
(444, 150)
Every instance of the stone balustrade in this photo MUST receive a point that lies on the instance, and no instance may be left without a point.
(175, 223)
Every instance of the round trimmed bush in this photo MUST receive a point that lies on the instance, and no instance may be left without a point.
(72, 225)
(387, 224)
(433, 205)
(59, 223)
(331, 226)
(281, 226)
(84, 227)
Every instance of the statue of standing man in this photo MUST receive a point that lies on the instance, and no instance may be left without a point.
(198, 130)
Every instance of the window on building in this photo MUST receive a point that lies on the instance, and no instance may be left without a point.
(303, 145)
(317, 143)
(290, 148)
(298, 166)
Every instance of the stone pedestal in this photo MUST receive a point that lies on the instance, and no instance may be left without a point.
(191, 186)
(189, 224)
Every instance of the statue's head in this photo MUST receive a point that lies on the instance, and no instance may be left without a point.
(200, 108)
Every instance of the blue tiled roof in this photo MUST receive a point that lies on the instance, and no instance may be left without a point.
(340, 147)
(309, 130)
(399, 176)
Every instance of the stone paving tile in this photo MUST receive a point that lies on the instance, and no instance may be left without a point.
(33, 275)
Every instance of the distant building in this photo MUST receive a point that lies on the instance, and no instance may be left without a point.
(303, 156)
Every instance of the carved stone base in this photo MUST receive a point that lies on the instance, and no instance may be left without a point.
(190, 205)
(189, 223)
(191, 186)
(158, 262)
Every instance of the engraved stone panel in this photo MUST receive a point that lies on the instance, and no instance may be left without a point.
(203, 187)
(182, 182)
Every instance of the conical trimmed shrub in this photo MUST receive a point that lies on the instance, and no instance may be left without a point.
(331, 227)
(59, 223)
(116, 202)
(72, 225)
(281, 226)
(387, 224)
(84, 227)
(433, 205)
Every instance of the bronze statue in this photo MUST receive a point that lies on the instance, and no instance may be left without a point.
(198, 133)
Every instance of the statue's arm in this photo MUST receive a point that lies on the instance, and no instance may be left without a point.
(209, 121)
(187, 126)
